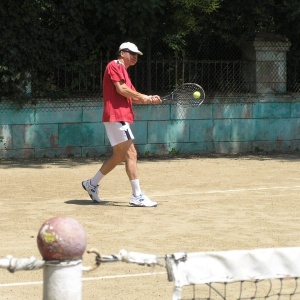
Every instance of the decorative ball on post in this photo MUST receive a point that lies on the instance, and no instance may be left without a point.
(61, 238)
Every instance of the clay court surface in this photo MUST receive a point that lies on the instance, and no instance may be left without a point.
(205, 204)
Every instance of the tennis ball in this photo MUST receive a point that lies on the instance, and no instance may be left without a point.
(196, 95)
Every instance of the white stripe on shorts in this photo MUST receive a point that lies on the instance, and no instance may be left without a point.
(118, 132)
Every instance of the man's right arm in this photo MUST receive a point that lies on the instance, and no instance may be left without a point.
(123, 89)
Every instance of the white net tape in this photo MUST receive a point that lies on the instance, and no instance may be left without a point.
(253, 266)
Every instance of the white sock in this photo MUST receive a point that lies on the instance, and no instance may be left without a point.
(135, 184)
(96, 179)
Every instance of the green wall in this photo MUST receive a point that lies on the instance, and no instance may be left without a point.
(263, 124)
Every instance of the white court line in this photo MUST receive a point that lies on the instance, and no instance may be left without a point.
(231, 190)
(85, 279)
(122, 276)
(200, 191)
(21, 283)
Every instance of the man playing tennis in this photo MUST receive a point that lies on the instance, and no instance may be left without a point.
(119, 94)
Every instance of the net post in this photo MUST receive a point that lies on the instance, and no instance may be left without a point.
(62, 242)
(62, 281)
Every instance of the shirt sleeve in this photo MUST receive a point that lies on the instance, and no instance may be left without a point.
(115, 72)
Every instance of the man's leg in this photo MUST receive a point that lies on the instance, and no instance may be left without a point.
(138, 198)
(123, 151)
(126, 151)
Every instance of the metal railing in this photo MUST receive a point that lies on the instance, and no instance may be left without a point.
(164, 75)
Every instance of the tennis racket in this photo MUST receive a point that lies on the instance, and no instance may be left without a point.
(188, 94)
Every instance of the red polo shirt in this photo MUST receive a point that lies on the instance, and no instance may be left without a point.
(116, 107)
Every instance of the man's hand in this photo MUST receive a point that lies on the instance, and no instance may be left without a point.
(156, 99)
(153, 99)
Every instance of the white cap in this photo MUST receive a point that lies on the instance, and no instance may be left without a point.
(131, 47)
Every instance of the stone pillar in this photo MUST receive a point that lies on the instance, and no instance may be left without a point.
(266, 69)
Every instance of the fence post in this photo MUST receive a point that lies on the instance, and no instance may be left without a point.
(266, 70)
(62, 242)
(148, 68)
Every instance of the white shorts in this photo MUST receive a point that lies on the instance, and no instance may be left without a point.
(118, 132)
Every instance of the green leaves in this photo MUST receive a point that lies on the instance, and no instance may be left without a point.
(206, 6)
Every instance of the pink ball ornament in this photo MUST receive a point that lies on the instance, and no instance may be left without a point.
(61, 238)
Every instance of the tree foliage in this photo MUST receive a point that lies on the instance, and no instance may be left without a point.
(201, 27)
(39, 34)
(236, 21)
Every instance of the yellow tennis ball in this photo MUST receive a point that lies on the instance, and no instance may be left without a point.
(196, 95)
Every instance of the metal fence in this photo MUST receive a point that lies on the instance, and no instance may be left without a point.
(293, 73)
(230, 77)
(218, 77)
(215, 76)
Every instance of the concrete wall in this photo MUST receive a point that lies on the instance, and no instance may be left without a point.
(264, 124)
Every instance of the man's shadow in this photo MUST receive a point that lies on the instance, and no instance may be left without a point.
(90, 202)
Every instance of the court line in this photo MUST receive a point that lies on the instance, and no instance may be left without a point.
(200, 191)
(231, 190)
(21, 283)
(123, 276)
(86, 279)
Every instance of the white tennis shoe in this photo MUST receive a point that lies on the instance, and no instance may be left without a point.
(92, 190)
(142, 200)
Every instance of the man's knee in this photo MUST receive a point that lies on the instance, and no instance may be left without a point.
(124, 150)
(131, 152)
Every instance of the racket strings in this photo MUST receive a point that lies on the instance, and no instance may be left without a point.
(185, 95)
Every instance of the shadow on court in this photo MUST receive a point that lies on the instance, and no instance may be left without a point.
(91, 203)
(40, 163)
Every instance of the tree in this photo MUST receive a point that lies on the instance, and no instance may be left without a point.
(37, 35)
(236, 21)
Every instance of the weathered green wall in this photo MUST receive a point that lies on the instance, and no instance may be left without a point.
(270, 123)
